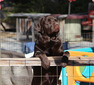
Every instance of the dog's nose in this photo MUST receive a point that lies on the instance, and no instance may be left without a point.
(56, 27)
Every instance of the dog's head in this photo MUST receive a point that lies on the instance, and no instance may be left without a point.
(48, 25)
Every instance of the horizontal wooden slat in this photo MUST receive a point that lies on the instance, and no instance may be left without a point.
(54, 61)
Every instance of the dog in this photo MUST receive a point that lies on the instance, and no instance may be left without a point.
(48, 44)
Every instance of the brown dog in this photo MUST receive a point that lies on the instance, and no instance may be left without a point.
(48, 44)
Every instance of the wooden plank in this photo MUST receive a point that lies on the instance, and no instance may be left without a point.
(54, 61)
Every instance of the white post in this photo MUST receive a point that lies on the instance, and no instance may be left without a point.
(62, 34)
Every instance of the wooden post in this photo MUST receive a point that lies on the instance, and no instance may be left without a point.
(0, 38)
(20, 25)
(0, 57)
(93, 30)
(17, 28)
(25, 26)
(33, 37)
(0, 46)
(0, 67)
(20, 28)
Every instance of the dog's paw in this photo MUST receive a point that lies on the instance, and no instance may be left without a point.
(45, 62)
(64, 61)
(67, 54)
(64, 64)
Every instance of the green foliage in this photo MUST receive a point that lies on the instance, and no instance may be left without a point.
(47, 6)
(80, 6)
(38, 6)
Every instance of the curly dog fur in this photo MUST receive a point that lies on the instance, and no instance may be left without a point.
(48, 44)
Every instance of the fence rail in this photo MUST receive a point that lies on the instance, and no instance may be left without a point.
(54, 61)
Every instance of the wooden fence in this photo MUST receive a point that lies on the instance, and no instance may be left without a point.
(54, 61)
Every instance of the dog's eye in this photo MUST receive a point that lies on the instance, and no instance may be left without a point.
(49, 20)
(56, 20)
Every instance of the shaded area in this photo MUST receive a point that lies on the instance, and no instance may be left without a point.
(83, 83)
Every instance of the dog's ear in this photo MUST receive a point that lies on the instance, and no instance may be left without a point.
(37, 27)
(40, 25)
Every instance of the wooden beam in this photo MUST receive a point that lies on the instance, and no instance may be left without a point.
(55, 61)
